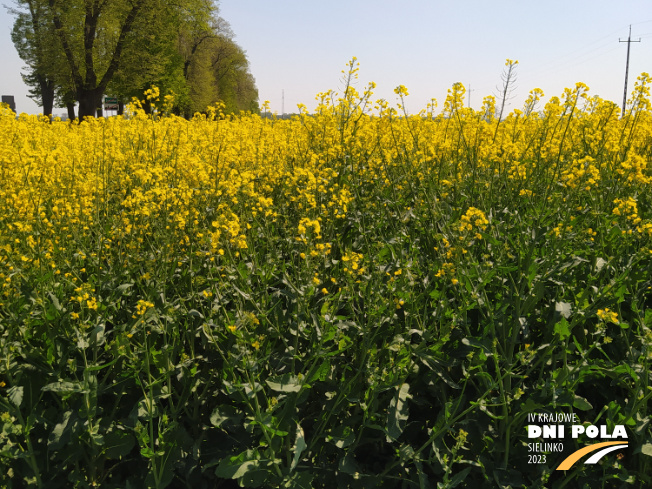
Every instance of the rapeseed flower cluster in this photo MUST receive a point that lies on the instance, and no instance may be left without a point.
(473, 219)
(628, 208)
(142, 307)
(608, 315)
(352, 262)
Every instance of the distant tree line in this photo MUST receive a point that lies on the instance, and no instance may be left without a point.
(77, 51)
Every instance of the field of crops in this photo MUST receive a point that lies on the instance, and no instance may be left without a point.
(356, 297)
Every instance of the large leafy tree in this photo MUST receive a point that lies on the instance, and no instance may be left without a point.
(217, 69)
(94, 34)
(236, 85)
(171, 26)
(35, 40)
(82, 49)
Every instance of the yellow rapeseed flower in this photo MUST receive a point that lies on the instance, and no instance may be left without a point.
(608, 315)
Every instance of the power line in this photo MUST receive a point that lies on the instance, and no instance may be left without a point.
(629, 42)
(571, 56)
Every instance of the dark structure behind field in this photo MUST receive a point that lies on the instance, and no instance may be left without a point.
(9, 100)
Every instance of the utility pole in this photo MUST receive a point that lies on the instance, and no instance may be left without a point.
(628, 41)
(283, 104)
(469, 99)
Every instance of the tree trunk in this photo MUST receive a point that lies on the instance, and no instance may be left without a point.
(71, 110)
(47, 95)
(89, 90)
(89, 102)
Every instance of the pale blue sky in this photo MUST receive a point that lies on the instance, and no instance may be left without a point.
(301, 46)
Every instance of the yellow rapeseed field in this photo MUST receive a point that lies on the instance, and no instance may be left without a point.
(356, 291)
(214, 182)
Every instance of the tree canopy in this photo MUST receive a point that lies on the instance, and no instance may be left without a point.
(82, 50)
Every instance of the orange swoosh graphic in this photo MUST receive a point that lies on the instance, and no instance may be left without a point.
(575, 456)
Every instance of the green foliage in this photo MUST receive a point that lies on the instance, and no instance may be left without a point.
(216, 70)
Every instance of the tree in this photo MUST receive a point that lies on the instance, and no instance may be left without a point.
(247, 93)
(82, 49)
(215, 68)
(93, 36)
(35, 40)
(196, 29)
(234, 84)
